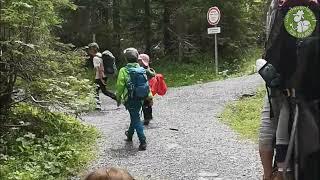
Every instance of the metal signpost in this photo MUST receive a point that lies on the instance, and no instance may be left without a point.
(213, 17)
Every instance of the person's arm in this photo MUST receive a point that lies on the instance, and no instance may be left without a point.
(150, 73)
(150, 98)
(121, 83)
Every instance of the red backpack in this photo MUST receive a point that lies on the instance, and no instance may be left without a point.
(158, 85)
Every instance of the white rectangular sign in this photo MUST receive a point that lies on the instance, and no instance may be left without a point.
(214, 30)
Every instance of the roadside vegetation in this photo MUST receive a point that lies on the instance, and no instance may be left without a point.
(45, 145)
(244, 115)
(200, 69)
(42, 89)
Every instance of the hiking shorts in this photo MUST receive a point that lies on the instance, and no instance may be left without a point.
(275, 130)
(267, 128)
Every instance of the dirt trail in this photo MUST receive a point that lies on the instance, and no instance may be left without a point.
(201, 147)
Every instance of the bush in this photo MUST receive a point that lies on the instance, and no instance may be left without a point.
(46, 146)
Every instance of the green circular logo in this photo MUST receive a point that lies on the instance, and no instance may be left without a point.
(300, 22)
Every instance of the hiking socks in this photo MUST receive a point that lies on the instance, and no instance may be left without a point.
(281, 153)
(147, 113)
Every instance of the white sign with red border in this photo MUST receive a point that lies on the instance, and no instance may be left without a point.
(214, 16)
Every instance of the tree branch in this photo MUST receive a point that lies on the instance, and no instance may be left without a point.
(36, 101)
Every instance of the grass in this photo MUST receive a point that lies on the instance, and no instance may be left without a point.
(243, 116)
(199, 69)
(53, 146)
(184, 74)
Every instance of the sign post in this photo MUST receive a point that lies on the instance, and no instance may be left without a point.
(213, 17)
(216, 61)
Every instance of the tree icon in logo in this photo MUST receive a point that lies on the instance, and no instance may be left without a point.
(300, 22)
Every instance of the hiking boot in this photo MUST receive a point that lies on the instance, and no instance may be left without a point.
(146, 122)
(129, 139)
(98, 108)
(143, 147)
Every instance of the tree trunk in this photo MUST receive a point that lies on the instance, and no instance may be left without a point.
(180, 27)
(7, 83)
(147, 28)
(116, 29)
(166, 25)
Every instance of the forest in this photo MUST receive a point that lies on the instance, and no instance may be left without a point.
(45, 85)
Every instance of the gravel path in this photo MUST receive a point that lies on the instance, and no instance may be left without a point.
(200, 148)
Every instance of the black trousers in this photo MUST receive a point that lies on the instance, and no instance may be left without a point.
(102, 87)
(147, 111)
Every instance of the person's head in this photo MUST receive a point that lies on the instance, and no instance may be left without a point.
(131, 55)
(93, 49)
(109, 174)
(144, 60)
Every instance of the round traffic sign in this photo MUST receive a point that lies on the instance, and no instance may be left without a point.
(213, 16)
(300, 22)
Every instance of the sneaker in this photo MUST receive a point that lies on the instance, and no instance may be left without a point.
(129, 139)
(98, 108)
(146, 122)
(143, 147)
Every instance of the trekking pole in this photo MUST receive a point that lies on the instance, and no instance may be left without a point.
(293, 144)
(296, 145)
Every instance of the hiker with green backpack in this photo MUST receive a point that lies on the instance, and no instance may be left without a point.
(132, 89)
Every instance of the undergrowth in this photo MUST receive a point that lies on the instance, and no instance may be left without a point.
(45, 145)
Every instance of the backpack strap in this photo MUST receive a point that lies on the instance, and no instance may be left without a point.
(269, 99)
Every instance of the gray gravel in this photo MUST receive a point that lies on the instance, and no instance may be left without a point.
(200, 148)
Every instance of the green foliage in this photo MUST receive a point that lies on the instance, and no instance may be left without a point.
(43, 77)
(245, 63)
(244, 115)
(36, 17)
(64, 84)
(50, 146)
(182, 74)
(50, 74)
(200, 69)
(242, 24)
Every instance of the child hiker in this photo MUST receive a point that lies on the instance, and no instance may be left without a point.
(144, 61)
(132, 89)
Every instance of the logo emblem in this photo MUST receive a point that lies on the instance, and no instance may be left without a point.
(300, 22)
